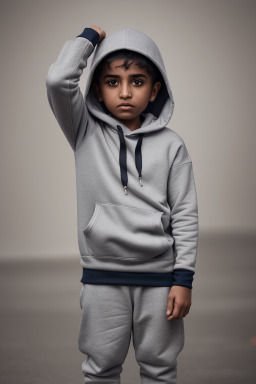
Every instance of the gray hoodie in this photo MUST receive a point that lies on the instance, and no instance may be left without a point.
(137, 210)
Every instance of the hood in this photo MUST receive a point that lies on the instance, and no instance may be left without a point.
(157, 114)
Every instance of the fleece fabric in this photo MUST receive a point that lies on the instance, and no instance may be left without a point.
(137, 211)
(111, 316)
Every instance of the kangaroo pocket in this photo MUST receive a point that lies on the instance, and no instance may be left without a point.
(121, 231)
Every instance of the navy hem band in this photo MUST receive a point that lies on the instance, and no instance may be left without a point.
(95, 276)
(90, 34)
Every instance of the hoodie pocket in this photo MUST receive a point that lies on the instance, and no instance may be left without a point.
(125, 232)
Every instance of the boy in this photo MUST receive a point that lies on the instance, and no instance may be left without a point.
(137, 203)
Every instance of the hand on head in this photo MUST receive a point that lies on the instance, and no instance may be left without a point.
(100, 31)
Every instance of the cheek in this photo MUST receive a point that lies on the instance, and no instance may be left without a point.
(144, 96)
(108, 95)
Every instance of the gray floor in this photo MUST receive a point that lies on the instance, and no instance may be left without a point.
(40, 316)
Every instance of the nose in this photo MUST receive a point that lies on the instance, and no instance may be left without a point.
(125, 91)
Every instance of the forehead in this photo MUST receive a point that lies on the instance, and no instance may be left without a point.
(116, 66)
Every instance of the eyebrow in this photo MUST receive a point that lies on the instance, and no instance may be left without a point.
(136, 75)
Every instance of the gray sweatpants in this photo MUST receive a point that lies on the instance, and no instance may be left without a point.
(110, 314)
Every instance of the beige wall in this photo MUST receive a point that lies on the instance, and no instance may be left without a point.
(209, 52)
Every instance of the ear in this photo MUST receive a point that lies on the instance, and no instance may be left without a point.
(155, 88)
(96, 89)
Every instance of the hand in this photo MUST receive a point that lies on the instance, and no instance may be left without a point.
(100, 31)
(179, 301)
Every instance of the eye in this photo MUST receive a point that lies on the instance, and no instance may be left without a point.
(140, 81)
(110, 82)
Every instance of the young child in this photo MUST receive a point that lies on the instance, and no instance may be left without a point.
(136, 203)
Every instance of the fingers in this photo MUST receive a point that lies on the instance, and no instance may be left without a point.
(170, 305)
(176, 311)
(179, 302)
(100, 31)
(179, 311)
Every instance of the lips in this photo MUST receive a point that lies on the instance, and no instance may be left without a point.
(125, 105)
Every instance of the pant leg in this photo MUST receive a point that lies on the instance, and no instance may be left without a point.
(105, 331)
(157, 341)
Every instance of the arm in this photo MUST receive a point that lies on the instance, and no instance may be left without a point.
(62, 83)
(182, 198)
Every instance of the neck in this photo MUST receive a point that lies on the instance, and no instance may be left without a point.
(133, 124)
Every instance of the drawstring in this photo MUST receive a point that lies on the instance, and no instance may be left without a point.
(138, 159)
(122, 159)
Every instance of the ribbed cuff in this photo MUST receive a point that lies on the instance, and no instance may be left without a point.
(183, 277)
(90, 34)
(95, 276)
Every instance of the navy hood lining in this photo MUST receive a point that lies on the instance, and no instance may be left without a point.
(154, 107)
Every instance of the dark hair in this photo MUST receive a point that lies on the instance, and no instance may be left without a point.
(126, 54)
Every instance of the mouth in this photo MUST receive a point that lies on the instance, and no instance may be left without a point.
(125, 106)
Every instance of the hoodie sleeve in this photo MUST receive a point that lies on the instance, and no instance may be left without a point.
(63, 91)
(182, 198)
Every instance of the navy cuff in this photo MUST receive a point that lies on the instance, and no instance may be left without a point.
(183, 277)
(90, 34)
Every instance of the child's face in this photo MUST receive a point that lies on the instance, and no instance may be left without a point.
(119, 85)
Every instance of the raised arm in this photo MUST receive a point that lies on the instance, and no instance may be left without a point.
(62, 83)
